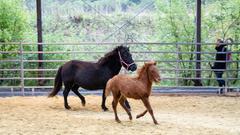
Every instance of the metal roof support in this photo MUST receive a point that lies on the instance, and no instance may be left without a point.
(198, 43)
(40, 46)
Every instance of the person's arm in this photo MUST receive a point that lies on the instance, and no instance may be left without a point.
(219, 45)
(218, 48)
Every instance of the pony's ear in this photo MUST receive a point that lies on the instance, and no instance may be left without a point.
(153, 63)
(150, 62)
(146, 63)
(120, 47)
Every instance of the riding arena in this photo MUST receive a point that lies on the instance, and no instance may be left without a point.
(120, 81)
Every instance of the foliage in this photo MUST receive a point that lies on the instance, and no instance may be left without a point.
(176, 24)
(171, 15)
(166, 21)
(13, 24)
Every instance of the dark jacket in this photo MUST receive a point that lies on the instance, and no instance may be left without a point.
(220, 57)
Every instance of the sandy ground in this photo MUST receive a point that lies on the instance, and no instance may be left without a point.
(177, 115)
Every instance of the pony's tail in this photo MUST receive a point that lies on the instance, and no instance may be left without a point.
(108, 88)
(57, 83)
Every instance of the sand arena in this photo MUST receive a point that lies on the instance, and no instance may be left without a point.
(177, 115)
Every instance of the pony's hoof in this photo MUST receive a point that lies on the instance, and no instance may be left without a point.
(67, 107)
(83, 104)
(105, 109)
(138, 116)
(130, 118)
(155, 122)
(118, 121)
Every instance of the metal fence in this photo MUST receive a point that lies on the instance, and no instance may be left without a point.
(176, 62)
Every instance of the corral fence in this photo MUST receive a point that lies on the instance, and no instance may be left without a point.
(20, 75)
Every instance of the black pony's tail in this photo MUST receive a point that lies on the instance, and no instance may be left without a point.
(57, 83)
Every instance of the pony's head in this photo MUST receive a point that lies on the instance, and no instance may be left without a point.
(152, 71)
(125, 58)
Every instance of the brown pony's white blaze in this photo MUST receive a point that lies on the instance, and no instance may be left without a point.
(139, 87)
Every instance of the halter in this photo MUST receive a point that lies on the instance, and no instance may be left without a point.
(123, 62)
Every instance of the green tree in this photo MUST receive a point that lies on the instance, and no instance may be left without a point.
(13, 24)
(13, 20)
(176, 24)
(220, 19)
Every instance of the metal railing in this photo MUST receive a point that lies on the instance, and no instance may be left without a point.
(170, 69)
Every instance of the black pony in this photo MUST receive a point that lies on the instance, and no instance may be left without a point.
(92, 76)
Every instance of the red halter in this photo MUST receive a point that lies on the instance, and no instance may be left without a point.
(123, 62)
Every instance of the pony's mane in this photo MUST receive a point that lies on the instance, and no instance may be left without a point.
(141, 71)
(108, 55)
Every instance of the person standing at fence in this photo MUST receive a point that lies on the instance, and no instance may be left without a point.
(220, 64)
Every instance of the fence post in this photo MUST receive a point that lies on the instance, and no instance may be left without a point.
(226, 78)
(237, 91)
(177, 66)
(33, 91)
(22, 69)
(12, 91)
(228, 62)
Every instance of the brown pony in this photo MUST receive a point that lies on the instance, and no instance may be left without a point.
(139, 87)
